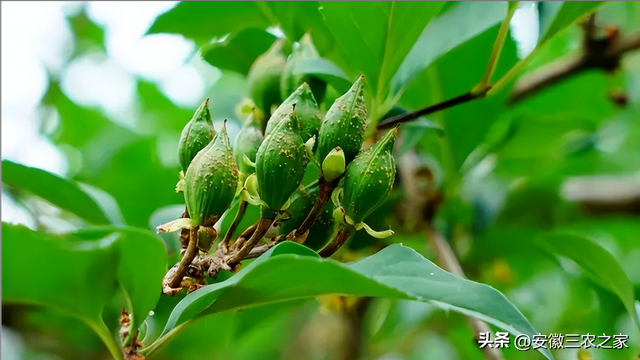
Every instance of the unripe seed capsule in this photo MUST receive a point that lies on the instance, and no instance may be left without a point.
(306, 109)
(195, 135)
(211, 181)
(264, 77)
(247, 143)
(280, 164)
(369, 178)
(344, 123)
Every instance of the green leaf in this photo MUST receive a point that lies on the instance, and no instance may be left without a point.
(299, 17)
(63, 193)
(76, 276)
(459, 24)
(376, 36)
(597, 262)
(325, 70)
(559, 15)
(239, 50)
(203, 21)
(395, 272)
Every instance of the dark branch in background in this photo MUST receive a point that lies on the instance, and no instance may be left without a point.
(423, 198)
(598, 53)
(449, 262)
(354, 317)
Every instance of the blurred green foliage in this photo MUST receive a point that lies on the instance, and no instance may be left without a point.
(497, 180)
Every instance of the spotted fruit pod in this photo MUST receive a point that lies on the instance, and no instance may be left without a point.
(306, 110)
(211, 181)
(195, 135)
(264, 77)
(280, 164)
(247, 143)
(369, 179)
(344, 124)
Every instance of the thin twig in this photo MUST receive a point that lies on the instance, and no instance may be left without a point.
(564, 69)
(399, 119)
(450, 263)
(605, 59)
(262, 227)
(187, 258)
(354, 317)
(324, 194)
(224, 244)
(342, 235)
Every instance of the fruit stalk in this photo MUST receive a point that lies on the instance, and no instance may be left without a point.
(187, 258)
(342, 235)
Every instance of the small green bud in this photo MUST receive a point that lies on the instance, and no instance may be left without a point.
(264, 77)
(290, 80)
(334, 164)
(211, 181)
(369, 178)
(195, 135)
(344, 123)
(280, 164)
(306, 109)
(301, 205)
(206, 236)
(247, 143)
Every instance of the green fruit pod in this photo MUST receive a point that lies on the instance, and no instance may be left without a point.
(369, 178)
(343, 126)
(211, 181)
(195, 135)
(306, 109)
(264, 77)
(247, 143)
(280, 164)
(300, 207)
(290, 81)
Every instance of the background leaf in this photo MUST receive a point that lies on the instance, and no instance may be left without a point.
(239, 50)
(459, 22)
(376, 36)
(80, 277)
(559, 15)
(596, 261)
(63, 193)
(203, 21)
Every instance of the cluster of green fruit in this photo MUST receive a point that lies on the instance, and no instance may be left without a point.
(266, 167)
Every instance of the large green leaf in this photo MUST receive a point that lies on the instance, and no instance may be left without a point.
(238, 51)
(204, 20)
(299, 17)
(597, 262)
(557, 16)
(395, 272)
(452, 74)
(63, 193)
(79, 277)
(460, 23)
(325, 70)
(376, 36)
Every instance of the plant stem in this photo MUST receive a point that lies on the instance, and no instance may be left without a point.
(326, 188)
(244, 236)
(342, 235)
(224, 244)
(262, 226)
(564, 69)
(450, 263)
(103, 333)
(483, 86)
(398, 119)
(354, 317)
(187, 258)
